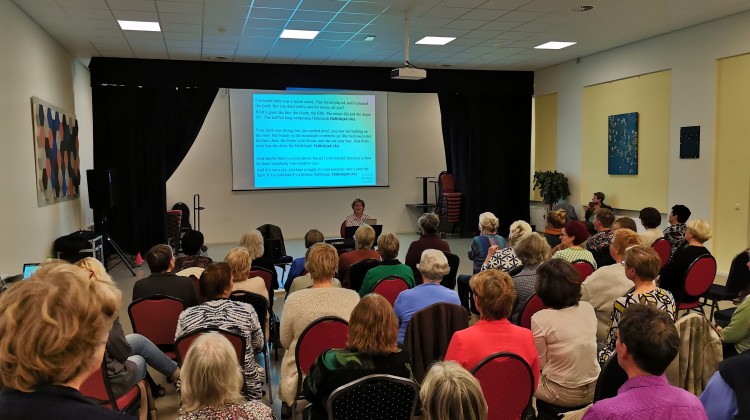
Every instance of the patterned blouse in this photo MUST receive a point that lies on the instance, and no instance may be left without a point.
(188, 261)
(600, 241)
(351, 220)
(675, 234)
(572, 254)
(660, 298)
(503, 259)
(236, 317)
(250, 410)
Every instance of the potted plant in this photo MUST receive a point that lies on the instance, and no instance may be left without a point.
(552, 186)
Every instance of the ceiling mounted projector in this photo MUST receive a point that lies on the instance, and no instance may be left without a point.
(408, 73)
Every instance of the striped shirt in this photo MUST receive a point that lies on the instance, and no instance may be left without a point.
(236, 317)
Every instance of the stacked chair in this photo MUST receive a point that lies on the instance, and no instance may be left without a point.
(449, 205)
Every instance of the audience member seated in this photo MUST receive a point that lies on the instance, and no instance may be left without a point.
(390, 266)
(597, 202)
(363, 240)
(672, 276)
(305, 306)
(493, 333)
(555, 222)
(570, 211)
(128, 357)
(212, 381)
(675, 233)
(433, 266)
(222, 313)
(505, 258)
(306, 281)
(371, 348)
(488, 237)
(53, 333)
(239, 264)
(608, 283)
(727, 396)
(570, 249)
(625, 223)
(312, 237)
(532, 252)
(736, 335)
(253, 242)
(191, 242)
(647, 344)
(429, 239)
(598, 244)
(358, 217)
(163, 280)
(650, 219)
(451, 392)
(641, 266)
(565, 338)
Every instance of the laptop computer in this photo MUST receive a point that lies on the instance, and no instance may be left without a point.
(29, 269)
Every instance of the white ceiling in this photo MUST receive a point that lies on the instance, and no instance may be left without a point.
(490, 34)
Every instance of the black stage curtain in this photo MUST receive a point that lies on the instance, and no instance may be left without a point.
(142, 134)
(488, 150)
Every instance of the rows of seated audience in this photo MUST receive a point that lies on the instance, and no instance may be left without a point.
(57, 327)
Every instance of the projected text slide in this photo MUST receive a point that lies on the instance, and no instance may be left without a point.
(325, 140)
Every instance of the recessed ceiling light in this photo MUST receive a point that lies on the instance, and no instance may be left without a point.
(297, 34)
(134, 25)
(370, 38)
(436, 40)
(554, 45)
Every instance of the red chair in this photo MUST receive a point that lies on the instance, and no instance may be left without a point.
(584, 268)
(698, 279)
(155, 317)
(324, 333)
(197, 287)
(358, 271)
(266, 275)
(390, 287)
(183, 343)
(507, 384)
(97, 387)
(664, 249)
(533, 306)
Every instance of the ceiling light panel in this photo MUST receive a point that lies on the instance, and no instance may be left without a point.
(132, 25)
(435, 40)
(554, 45)
(298, 34)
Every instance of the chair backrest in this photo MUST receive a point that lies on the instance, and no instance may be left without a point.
(699, 276)
(738, 278)
(273, 232)
(374, 396)
(449, 280)
(94, 387)
(184, 342)
(507, 384)
(664, 249)
(98, 387)
(533, 305)
(584, 269)
(322, 334)
(446, 182)
(358, 270)
(610, 379)
(390, 287)
(196, 285)
(265, 274)
(185, 219)
(258, 302)
(430, 331)
(155, 317)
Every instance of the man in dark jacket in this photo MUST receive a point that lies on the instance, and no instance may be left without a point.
(162, 280)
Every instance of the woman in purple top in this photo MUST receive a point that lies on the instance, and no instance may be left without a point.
(430, 239)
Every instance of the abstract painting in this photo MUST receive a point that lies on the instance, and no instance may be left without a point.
(623, 144)
(690, 142)
(58, 176)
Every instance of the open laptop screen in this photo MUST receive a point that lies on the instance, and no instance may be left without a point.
(29, 269)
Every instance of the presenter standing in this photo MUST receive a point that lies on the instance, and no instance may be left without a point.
(359, 217)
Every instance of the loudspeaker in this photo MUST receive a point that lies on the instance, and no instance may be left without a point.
(101, 188)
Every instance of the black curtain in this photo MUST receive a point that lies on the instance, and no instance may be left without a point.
(488, 149)
(142, 134)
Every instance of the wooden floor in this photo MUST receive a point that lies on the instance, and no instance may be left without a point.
(168, 405)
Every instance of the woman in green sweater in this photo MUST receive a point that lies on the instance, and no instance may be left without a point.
(736, 335)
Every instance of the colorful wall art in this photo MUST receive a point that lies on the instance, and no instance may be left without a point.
(623, 144)
(58, 176)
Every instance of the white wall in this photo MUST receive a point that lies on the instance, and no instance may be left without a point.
(33, 64)
(691, 55)
(415, 149)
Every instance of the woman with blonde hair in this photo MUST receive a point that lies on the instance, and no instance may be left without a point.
(211, 383)
(487, 238)
(53, 333)
(371, 348)
(128, 356)
(672, 276)
(505, 258)
(303, 307)
(451, 392)
(254, 243)
(239, 262)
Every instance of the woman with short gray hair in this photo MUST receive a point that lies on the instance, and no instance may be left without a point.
(430, 239)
